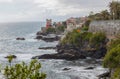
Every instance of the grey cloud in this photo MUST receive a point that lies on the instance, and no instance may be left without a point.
(85, 3)
(28, 10)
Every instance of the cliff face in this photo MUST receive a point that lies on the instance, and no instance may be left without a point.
(84, 43)
(85, 50)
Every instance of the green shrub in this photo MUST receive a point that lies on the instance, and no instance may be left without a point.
(76, 38)
(24, 71)
(113, 44)
(116, 74)
(10, 58)
(97, 39)
(85, 28)
(72, 38)
(80, 38)
(50, 30)
(61, 28)
(112, 58)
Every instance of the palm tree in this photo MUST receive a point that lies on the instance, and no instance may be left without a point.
(115, 9)
(105, 15)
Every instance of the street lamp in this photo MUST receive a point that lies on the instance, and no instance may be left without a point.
(113, 16)
(113, 12)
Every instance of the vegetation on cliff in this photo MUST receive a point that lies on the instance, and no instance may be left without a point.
(85, 28)
(97, 39)
(112, 58)
(58, 29)
(77, 38)
(50, 30)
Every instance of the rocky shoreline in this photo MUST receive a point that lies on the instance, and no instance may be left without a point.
(47, 37)
(71, 51)
(46, 48)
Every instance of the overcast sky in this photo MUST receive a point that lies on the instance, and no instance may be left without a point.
(39, 10)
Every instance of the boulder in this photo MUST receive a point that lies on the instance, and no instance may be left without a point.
(50, 39)
(45, 48)
(89, 68)
(65, 69)
(20, 38)
(104, 75)
(38, 37)
(65, 56)
(41, 33)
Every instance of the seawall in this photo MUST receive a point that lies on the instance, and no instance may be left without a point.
(109, 27)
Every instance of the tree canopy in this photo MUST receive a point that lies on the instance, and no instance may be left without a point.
(112, 14)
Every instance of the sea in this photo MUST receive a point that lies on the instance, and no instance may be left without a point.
(26, 49)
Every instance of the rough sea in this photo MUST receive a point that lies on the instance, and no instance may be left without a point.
(25, 50)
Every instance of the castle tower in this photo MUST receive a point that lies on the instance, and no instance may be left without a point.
(48, 23)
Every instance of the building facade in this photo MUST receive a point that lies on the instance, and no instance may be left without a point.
(73, 23)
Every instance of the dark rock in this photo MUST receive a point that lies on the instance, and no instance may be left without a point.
(45, 48)
(97, 54)
(50, 39)
(93, 61)
(20, 38)
(38, 37)
(65, 56)
(38, 33)
(64, 53)
(89, 68)
(41, 33)
(65, 69)
(92, 52)
(104, 75)
(70, 51)
(11, 56)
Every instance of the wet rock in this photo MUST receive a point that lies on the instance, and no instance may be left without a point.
(38, 33)
(104, 75)
(65, 56)
(71, 52)
(89, 68)
(48, 37)
(65, 69)
(41, 33)
(92, 53)
(45, 48)
(20, 38)
(13, 56)
(38, 37)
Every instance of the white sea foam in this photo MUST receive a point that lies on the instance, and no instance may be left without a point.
(80, 72)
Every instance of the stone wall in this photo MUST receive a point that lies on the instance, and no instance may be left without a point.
(109, 27)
